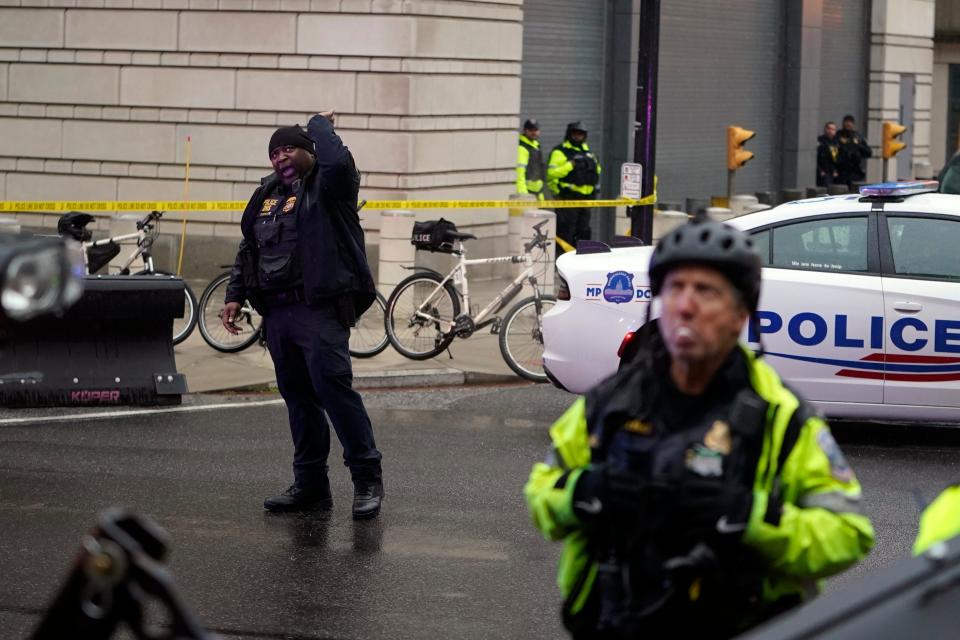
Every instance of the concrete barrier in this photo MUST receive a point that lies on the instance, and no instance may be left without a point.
(696, 205)
(515, 227)
(789, 195)
(666, 221)
(739, 203)
(765, 197)
(396, 252)
(9, 224)
(544, 268)
(720, 214)
(752, 208)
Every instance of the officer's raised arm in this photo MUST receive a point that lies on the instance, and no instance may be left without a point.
(334, 162)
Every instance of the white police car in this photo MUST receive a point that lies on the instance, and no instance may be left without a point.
(860, 307)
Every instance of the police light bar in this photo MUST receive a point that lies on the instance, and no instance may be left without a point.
(907, 188)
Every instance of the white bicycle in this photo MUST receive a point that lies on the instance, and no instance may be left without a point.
(97, 254)
(423, 313)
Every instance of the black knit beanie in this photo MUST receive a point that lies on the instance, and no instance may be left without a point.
(293, 136)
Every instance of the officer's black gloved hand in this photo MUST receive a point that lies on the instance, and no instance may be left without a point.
(709, 508)
(602, 491)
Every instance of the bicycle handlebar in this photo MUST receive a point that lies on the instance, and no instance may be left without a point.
(539, 237)
(150, 217)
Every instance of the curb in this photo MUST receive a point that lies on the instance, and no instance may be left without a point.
(397, 379)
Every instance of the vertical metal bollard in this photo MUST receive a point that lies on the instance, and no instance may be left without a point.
(515, 226)
(396, 252)
(543, 269)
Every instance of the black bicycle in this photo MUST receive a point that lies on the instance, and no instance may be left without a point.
(367, 337)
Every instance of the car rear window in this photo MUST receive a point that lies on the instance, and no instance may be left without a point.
(831, 244)
(925, 246)
(761, 246)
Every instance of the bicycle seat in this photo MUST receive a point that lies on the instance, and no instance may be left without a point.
(456, 235)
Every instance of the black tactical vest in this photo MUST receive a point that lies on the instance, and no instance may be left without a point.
(584, 173)
(639, 428)
(275, 231)
(535, 170)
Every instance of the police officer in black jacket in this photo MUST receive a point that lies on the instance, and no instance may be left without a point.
(853, 151)
(303, 266)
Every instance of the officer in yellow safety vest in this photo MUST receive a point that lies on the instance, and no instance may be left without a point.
(940, 521)
(530, 169)
(573, 173)
(696, 494)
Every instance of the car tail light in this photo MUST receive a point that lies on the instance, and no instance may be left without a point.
(563, 291)
(627, 339)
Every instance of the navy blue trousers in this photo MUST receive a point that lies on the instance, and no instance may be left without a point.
(310, 350)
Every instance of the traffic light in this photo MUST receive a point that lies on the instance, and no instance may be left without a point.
(891, 146)
(737, 156)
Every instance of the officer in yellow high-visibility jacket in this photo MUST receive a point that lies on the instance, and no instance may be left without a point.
(573, 173)
(940, 521)
(530, 168)
(695, 493)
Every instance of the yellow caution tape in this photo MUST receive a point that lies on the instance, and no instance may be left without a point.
(566, 246)
(121, 205)
(240, 205)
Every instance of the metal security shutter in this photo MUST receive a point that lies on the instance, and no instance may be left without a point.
(844, 63)
(719, 65)
(563, 68)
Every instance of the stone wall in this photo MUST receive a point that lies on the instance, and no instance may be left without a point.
(99, 97)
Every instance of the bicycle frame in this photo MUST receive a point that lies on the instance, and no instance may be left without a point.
(144, 244)
(459, 276)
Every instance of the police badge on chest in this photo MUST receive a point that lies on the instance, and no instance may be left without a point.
(706, 458)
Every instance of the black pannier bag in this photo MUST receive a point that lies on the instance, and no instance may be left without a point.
(433, 235)
(99, 255)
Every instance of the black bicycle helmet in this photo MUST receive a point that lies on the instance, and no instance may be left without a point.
(73, 225)
(713, 244)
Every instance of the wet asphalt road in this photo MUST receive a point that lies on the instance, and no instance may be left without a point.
(453, 554)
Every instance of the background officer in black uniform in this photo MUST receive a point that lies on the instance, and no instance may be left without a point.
(303, 266)
(853, 152)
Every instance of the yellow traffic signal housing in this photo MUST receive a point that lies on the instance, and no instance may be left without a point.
(891, 146)
(737, 156)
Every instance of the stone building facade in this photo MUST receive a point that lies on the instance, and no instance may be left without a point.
(99, 97)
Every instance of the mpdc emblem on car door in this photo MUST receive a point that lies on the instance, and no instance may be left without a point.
(619, 287)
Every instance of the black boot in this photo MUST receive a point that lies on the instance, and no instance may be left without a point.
(367, 497)
(314, 498)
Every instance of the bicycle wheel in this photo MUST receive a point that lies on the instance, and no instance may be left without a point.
(368, 337)
(521, 337)
(212, 329)
(182, 327)
(418, 313)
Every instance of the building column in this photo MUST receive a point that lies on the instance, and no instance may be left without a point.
(901, 46)
(801, 106)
